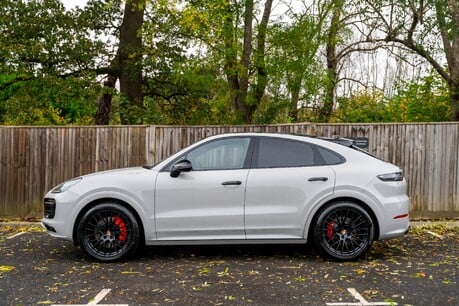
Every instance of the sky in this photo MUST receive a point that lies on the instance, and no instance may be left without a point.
(69, 4)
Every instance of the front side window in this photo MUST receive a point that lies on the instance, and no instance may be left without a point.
(221, 154)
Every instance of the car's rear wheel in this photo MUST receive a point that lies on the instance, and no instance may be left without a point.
(343, 231)
(108, 232)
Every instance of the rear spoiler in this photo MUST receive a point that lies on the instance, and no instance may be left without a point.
(359, 142)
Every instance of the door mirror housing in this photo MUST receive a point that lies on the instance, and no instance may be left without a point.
(181, 166)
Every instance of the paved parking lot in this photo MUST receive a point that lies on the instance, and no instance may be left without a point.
(418, 269)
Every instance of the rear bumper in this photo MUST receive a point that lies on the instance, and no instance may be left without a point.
(396, 222)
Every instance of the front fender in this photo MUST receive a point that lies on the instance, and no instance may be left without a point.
(144, 212)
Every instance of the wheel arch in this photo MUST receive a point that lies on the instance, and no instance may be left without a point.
(103, 201)
(330, 202)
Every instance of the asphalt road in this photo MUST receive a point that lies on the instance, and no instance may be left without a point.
(418, 269)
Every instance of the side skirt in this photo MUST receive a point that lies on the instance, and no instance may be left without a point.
(225, 242)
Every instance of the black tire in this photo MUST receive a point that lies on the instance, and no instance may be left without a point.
(343, 231)
(108, 232)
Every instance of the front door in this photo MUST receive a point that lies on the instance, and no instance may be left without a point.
(207, 202)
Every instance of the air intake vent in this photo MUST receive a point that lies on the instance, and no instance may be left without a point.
(49, 208)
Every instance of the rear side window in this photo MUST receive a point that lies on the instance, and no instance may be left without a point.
(277, 153)
(330, 158)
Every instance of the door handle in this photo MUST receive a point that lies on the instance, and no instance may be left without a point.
(228, 183)
(318, 179)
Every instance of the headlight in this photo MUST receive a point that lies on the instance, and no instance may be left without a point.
(391, 177)
(66, 185)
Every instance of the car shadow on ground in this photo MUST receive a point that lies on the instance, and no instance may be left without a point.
(228, 251)
(379, 252)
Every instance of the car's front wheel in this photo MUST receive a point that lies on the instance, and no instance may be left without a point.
(343, 231)
(108, 232)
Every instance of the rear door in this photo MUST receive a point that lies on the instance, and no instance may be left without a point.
(286, 177)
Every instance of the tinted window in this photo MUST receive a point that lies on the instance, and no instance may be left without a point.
(220, 154)
(329, 157)
(276, 152)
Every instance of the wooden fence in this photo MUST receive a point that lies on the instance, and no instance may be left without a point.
(34, 159)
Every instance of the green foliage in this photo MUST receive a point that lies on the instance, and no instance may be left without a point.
(52, 62)
(188, 94)
(273, 109)
(48, 100)
(426, 101)
(423, 101)
(48, 59)
(184, 86)
(42, 37)
(296, 75)
(365, 106)
(432, 35)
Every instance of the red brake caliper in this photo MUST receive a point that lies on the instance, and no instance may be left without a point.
(122, 226)
(330, 225)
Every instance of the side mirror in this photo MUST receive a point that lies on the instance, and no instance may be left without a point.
(181, 166)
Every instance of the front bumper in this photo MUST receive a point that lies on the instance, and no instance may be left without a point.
(58, 215)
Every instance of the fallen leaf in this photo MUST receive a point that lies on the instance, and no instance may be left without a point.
(6, 268)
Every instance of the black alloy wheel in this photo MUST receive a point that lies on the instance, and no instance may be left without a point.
(108, 232)
(343, 231)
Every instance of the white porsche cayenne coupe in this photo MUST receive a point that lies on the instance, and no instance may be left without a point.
(236, 189)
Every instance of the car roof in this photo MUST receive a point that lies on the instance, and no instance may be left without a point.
(299, 137)
(331, 143)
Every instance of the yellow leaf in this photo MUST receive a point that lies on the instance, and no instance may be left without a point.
(129, 272)
(6, 268)
(360, 271)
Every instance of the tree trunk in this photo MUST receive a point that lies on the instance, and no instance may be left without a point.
(231, 63)
(242, 108)
(262, 78)
(238, 72)
(294, 98)
(332, 63)
(454, 100)
(104, 107)
(129, 62)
